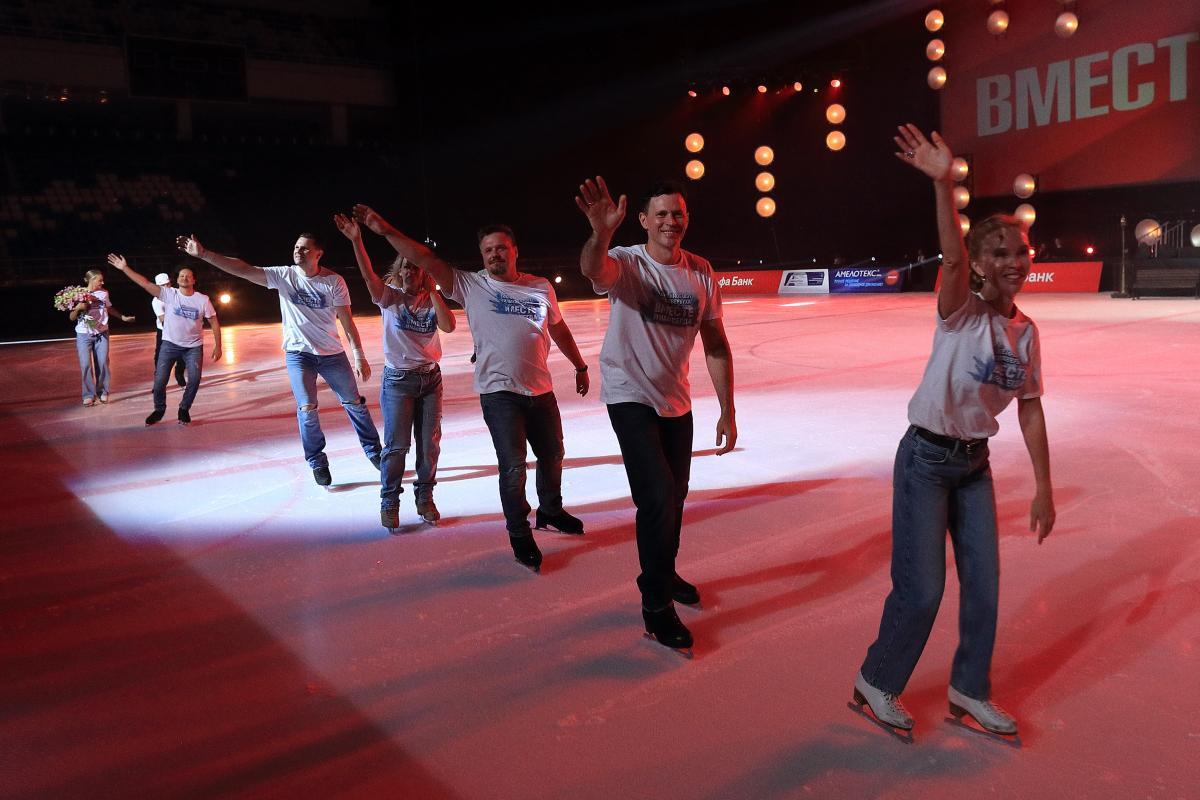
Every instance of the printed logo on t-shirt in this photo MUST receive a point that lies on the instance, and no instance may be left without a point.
(503, 304)
(187, 313)
(668, 308)
(424, 321)
(307, 297)
(1004, 369)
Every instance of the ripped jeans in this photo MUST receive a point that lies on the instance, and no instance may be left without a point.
(303, 369)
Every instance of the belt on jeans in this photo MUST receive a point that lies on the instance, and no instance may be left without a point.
(949, 442)
(419, 370)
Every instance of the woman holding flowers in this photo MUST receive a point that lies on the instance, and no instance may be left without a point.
(90, 315)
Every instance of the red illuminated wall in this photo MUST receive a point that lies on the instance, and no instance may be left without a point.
(1117, 103)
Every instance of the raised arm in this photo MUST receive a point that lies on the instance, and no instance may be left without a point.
(719, 359)
(361, 368)
(445, 317)
(349, 228)
(605, 217)
(411, 249)
(1033, 428)
(562, 337)
(122, 265)
(234, 266)
(935, 159)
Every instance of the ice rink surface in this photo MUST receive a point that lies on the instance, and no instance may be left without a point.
(183, 612)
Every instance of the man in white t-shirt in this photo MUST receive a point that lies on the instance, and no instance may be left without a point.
(185, 311)
(311, 298)
(513, 317)
(660, 297)
(162, 279)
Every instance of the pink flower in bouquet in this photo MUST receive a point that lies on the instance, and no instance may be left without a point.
(70, 296)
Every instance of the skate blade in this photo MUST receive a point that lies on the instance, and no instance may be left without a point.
(534, 569)
(557, 530)
(686, 652)
(1012, 740)
(901, 734)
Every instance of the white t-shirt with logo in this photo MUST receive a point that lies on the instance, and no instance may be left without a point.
(980, 361)
(509, 325)
(183, 321)
(410, 337)
(655, 313)
(97, 312)
(307, 306)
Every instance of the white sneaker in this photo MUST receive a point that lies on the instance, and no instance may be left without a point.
(884, 705)
(990, 716)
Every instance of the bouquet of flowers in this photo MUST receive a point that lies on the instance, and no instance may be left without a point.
(70, 296)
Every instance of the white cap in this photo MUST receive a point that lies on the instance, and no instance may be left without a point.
(162, 279)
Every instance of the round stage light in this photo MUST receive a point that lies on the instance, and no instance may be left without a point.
(558, 278)
(935, 50)
(1066, 24)
(1026, 214)
(964, 223)
(798, 86)
(694, 143)
(835, 141)
(1148, 231)
(835, 113)
(1024, 185)
(934, 20)
(765, 207)
(765, 182)
(695, 169)
(959, 168)
(762, 89)
(997, 22)
(692, 93)
(764, 155)
(225, 298)
(1091, 251)
(725, 91)
(962, 196)
(936, 78)
(1196, 236)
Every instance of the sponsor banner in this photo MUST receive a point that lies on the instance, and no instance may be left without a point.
(865, 279)
(758, 282)
(1064, 276)
(804, 281)
(1059, 276)
(1116, 103)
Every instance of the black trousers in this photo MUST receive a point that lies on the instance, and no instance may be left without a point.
(179, 374)
(658, 462)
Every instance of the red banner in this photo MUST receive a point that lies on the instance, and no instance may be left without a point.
(1058, 276)
(763, 282)
(1116, 103)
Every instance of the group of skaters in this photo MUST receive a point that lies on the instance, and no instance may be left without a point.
(985, 353)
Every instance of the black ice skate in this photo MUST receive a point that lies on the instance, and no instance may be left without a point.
(663, 626)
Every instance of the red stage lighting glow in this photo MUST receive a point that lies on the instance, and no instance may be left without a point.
(835, 83)
(691, 92)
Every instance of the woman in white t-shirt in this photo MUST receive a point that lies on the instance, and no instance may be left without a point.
(411, 393)
(91, 337)
(985, 354)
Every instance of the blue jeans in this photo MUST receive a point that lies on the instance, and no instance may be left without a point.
(513, 419)
(657, 452)
(303, 369)
(411, 402)
(193, 361)
(92, 349)
(936, 489)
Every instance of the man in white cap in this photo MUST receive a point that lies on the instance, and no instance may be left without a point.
(163, 279)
